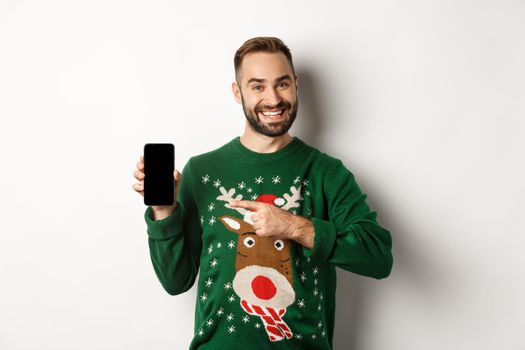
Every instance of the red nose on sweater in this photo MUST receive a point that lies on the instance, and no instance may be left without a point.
(263, 287)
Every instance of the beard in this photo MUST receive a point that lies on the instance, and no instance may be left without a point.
(272, 129)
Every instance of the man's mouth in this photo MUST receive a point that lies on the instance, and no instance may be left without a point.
(272, 115)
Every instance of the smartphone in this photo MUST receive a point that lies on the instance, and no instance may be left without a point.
(159, 164)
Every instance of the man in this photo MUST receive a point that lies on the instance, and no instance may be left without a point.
(266, 219)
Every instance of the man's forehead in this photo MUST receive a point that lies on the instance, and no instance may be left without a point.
(265, 66)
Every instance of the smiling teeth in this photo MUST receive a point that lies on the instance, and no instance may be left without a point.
(269, 114)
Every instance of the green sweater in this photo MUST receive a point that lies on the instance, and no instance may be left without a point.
(256, 292)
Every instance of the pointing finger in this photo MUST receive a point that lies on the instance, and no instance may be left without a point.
(246, 204)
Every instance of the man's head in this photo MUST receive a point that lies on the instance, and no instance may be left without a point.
(266, 85)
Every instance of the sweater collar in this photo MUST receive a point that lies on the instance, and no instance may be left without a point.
(250, 155)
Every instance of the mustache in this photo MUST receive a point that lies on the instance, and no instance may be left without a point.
(280, 105)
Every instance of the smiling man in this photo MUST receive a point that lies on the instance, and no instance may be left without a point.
(269, 100)
(264, 220)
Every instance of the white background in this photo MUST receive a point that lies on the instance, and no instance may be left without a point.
(422, 100)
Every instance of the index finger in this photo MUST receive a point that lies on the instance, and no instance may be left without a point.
(246, 204)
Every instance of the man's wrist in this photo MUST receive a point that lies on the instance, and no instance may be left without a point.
(160, 214)
(302, 231)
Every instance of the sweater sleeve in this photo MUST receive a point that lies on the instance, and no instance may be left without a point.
(350, 238)
(175, 242)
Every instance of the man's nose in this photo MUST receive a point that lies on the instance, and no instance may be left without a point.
(272, 97)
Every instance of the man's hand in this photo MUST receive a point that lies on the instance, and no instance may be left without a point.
(269, 220)
(159, 211)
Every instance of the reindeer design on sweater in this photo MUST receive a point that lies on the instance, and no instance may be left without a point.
(263, 270)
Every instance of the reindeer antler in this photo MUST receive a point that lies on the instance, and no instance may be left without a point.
(227, 196)
(291, 201)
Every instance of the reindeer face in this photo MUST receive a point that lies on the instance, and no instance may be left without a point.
(263, 268)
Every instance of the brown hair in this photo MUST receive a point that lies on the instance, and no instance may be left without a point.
(261, 44)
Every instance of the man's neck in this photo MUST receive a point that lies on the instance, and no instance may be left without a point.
(260, 143)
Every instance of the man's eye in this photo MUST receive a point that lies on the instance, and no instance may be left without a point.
(257, 87)
(283, 85)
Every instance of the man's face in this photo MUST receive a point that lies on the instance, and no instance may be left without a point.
(267, 89)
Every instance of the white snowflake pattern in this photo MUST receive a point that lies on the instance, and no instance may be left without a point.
(305, 182)
(299, 336)
(231, 329)
(231, 244)
(254, 197)
(303, 276)
(204, 297)
(294, 212)
(316, 291)
(316, 270)
(231, 299)
(308, 259)
(202, 220)
(201, 332)
(246, 319)
(219, 245)
(212, 220)
(209, 282)
(257, 325)
(242, 185)
(320, 325)
(296, 261)
(229, 317)
(228, 286)
(301, 303)
(249, 190)
(205, 179)
(323, 333)
(213, 263)
(319, 307)
(315, 281)
(211, 206)
(307, 193)
(297, 179)
(220, 312)
(314, 336)
(276, 180)
(309, 212)
(210, 249)
(217, 183)
(321, 296)
(209, 323)
(259, 180)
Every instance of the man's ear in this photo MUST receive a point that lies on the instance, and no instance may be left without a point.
(296, 83)
(236, 92)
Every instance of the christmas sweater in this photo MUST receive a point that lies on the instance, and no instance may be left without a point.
(258, 292)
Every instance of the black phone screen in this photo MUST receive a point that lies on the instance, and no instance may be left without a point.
(159, 164)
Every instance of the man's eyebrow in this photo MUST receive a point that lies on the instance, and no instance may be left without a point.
(259, 80)
(255, 80)
(284, 77)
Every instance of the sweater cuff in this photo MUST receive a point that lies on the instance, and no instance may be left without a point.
(324, 240)
(165, 228)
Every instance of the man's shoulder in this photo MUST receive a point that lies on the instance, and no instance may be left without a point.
(323, 159)
(214, 156)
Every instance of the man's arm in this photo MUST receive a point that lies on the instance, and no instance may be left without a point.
(351, 237)
(175, 241)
